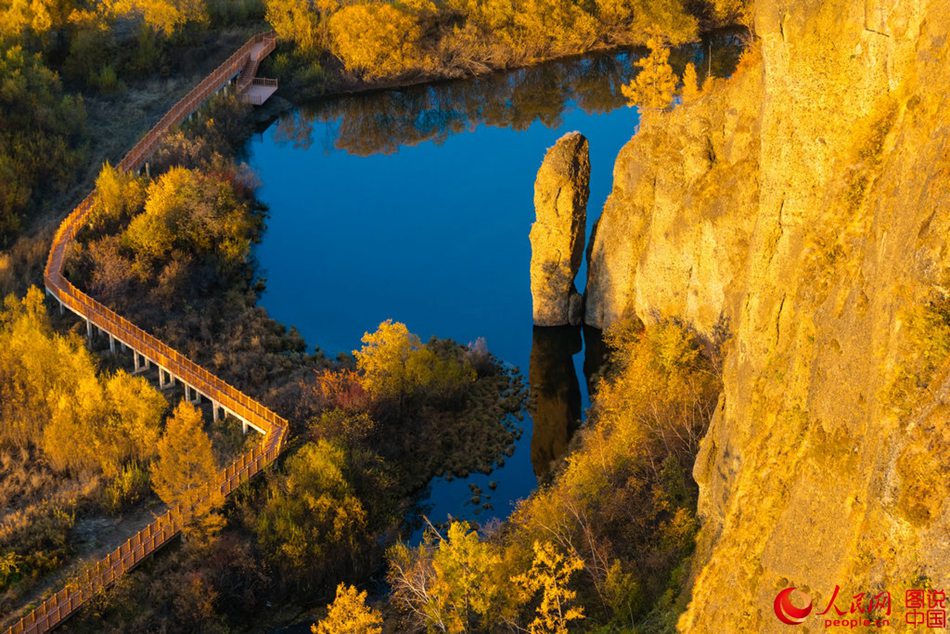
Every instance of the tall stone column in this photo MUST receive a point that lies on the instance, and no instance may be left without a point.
(557, 236)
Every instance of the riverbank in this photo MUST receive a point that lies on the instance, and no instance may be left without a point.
(295, 92)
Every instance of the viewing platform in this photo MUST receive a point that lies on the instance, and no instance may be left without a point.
(259, 91)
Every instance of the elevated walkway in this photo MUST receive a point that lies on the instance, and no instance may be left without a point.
(147, 349)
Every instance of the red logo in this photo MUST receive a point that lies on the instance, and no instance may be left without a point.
(786, 611)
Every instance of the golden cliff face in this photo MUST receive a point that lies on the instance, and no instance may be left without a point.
(805, 205)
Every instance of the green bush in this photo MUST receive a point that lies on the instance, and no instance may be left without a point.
(129, 487)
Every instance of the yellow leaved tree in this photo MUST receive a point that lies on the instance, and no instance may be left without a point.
(383, 358)
(304, 22)
(377, 39)
(453, 584)
(550, 574)
(185, 471)
(690, 83)
(349, 614)
(164, 16)
(655, 84)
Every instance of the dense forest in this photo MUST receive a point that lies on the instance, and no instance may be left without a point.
(604, 544)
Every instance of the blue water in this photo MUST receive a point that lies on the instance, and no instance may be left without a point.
(416, 205)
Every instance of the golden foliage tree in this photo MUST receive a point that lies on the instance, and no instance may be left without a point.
(394, 364)
(185, 471)
(550, 575)
(466, 588)
(51, 396)
(118, 195)
(732, 11)
(377, 39)
(554, 26)
(690, 83)
(102, 426)
(312, 513)
(190, 211)
(305, 22)
(164, 16)
(349, 614)
(452, 584)
(655, 84)
(382, 359)
(135, 423)
(39, 16)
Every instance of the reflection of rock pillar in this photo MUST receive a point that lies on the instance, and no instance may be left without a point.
(555, 401)
(557, 235)
(595, 354)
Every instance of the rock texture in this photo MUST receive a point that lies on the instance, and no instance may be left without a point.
(802, 206)
(557, 235)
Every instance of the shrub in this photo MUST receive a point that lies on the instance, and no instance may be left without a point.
(129, 487)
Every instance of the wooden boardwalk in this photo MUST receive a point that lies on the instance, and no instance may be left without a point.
(239, 68)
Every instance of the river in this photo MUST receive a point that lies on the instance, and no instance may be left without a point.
(415, 204)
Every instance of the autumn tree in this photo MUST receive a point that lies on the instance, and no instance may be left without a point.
(41, 129)
(550, 574)
(164, 16)
(450, 584)
(377, 39)
(185, 472)
(52, 396)
(194, 213)
(304, 22)
(38, 16)
(732, 11)
(103, 426)
(382, 359)
(118, 195)
(312, 513)
(655, 84)
(349, 614)
(549, 27)
(690, 83)
(136, 414)
(394, 364)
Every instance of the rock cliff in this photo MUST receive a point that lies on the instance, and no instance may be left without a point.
(802, 207)
(557, 235)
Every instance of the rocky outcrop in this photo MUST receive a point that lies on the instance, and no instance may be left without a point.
(557, 235)
(801, 207)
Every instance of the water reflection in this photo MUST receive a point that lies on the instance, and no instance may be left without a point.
(379, 123)
(555, 401)
(595, 354)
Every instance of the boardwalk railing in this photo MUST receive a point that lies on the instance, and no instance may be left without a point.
(96, 578)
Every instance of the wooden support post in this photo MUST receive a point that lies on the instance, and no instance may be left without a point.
(148, 172)
(244, 426)
(161, 378)
(214, 411)
(62, 308)
(111, 344)
(135, 362)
